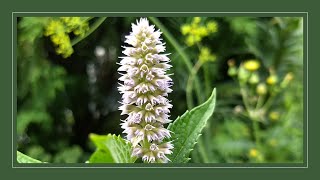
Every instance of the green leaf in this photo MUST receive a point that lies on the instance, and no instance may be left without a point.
(187, 129)
(111, 149)
(101, 156)
(22, 158)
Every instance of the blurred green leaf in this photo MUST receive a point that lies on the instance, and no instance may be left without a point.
(32, 28)
(24, 118)
(22, 158)
(111, 149)
(187, 129)
(38, 152)
(68, 155)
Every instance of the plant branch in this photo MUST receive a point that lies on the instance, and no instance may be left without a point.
(92, 29)
(192, 76)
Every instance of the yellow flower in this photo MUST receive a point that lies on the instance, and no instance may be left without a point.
(197, 38)
(196, 32)
(274, 116)
(212, 26)
(196, 20)
(206, 55)
(53, 27)
(185, 29)
(190, 41)
(59, 28)
(253, 153)
(75, 25)
(272, 79)
(251, 65)
(202, 31)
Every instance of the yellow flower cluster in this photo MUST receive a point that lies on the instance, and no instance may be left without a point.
(253, 153)
(256, 155)
(251, 65)
(274, 116)
(196, 31)
(59, 28)
(206, 55)
(272, 79)
(75, 25)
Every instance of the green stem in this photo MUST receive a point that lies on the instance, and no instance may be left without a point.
(206, 73)
(206, 156)
(244, 98)
(92, 29)
(145, 143)
(260, 101)
(192, 76)
(256, 131)
(179, 49)
(195, 69)
(269, 102)
(207, 80)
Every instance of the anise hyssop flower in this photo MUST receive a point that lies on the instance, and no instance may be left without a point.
(144, 92)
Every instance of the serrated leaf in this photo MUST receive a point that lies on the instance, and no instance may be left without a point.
(111, 149)
(187, 129)
(22, 158)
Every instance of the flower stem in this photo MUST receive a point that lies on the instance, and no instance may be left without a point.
(207, 80)
(269, 102)
(202, 150)
(92, 29)
(192, 76)
(256, 131)
(179, 49)
(255, 123)
(260, 101)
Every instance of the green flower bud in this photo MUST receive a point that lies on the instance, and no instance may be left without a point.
(243, 74)
(254, 78)
(261, 89)
(232, 71)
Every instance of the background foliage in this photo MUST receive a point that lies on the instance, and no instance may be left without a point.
(67, 84)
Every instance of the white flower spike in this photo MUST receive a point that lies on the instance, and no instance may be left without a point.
(144, 90)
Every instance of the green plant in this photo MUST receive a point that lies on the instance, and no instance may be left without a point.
(67, 90)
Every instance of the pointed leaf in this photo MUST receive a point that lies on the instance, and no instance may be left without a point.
(187, 129)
